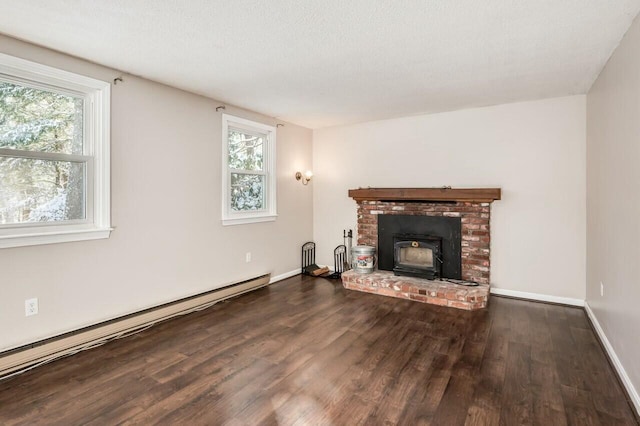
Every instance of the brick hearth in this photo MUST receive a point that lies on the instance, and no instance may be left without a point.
(434, 292)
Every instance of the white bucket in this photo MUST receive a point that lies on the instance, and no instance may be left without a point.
(363, 259)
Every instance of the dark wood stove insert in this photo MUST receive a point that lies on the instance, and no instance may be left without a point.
(441, 234)
(417, 256)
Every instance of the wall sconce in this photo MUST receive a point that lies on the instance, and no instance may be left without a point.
(305, 178)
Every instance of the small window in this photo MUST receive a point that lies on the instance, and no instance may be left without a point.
(54, 155)
(249, 179)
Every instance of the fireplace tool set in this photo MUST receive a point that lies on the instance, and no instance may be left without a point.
(341, 258)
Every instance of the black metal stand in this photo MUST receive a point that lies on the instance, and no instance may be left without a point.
(339, 262)
(308, 263)
(309, 258)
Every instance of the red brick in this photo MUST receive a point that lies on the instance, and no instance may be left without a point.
(437, 301)
(451, 294)
(470, 219)
(418, 298)
(470, 261)
(459, 305)
(479, 233)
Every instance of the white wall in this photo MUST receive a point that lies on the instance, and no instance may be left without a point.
(534, 151)
(613, 202)
(168, 241)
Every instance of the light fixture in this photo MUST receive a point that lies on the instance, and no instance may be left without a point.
(305, 178)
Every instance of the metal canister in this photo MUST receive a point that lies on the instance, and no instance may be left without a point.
(363, 259)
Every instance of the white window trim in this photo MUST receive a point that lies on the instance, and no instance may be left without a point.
(97, 95)
(230, 217)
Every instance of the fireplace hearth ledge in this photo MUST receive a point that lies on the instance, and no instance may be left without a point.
(435, 292)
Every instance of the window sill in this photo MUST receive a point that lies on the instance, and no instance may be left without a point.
(53, 237)
(249, 219)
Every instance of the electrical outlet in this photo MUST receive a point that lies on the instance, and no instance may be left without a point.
(601, 289)
(247, 257)
(30, 307)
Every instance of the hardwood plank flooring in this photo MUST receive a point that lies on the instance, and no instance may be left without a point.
(306, 351)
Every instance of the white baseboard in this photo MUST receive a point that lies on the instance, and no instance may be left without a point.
(633, 393)
(285, 275)
(537, 296)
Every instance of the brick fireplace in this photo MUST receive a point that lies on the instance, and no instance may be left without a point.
(471, 206)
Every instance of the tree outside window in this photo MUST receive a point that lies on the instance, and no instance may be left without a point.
(248, 171)
(40, 190)
(54, 155)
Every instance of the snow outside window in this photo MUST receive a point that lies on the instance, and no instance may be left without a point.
(249, 179)
(54, 155)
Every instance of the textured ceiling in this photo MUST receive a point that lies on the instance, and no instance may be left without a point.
(328, 62)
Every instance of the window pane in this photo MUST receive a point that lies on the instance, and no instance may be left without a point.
(246, 151)
(39, 120)
(247, 192)
(40, 190)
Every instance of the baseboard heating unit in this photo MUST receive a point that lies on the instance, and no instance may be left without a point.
(30, 356)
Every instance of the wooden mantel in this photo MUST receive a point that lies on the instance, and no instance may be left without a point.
(478, 195)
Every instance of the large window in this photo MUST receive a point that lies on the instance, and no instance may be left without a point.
(249, 180)
(54, 155)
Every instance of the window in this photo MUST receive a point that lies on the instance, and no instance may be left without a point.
(54, 155)
(248, 172)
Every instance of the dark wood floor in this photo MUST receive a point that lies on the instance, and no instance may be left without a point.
(306, 351)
